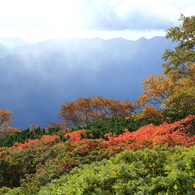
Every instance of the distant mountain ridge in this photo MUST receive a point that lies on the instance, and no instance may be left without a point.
(36, 79)
(12, 41)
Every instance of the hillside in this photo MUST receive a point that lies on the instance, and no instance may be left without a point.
(150, 159)
(102, 146)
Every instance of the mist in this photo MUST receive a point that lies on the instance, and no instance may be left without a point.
(36, 79)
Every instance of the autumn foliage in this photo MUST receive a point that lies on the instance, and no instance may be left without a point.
(30, 164)
(154, 90)
(171, 134)
(84, 110)
(5, 120)
(176, 133)
(169, 93)
(52, 156)
(175, 89)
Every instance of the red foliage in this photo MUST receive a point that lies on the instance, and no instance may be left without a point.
(75, 136)
(172, 134)
(45, 139)
(147, 136)
(1, 148)
(30, 141)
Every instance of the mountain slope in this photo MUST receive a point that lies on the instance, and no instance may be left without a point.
(36, 79)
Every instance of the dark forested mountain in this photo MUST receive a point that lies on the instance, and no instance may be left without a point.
(37, 78)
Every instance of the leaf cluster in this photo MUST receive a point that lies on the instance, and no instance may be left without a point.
(160, 170)
(84, 110)
(5, 120)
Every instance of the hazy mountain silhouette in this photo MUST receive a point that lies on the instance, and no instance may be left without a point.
(12, 42)
(36, 79)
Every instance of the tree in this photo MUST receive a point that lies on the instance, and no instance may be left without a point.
(175, 89)
(180, 61)
(5, 120)
(180, 65)
(84, 110)
(182, 96)
(155, 89)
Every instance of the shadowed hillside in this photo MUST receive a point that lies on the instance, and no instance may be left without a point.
(37, 78)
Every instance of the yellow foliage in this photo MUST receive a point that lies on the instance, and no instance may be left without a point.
(148, 112)
(155, 89)
(175, 94)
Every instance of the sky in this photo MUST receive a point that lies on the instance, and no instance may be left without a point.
(37, 20)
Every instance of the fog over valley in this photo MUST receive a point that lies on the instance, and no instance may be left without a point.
(36, 79)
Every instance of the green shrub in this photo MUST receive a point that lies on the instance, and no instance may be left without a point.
(161, 170)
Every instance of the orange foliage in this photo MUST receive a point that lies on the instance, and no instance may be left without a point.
(75, 136)
(155, 90)
(5, 117)
(175, 93)
(50, 137)
(5, 120)
(84, 110)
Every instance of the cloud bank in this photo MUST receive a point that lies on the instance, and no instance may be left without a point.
(94, 14)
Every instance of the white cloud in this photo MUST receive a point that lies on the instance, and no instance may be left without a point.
(103, 15)
(94, 14)
(189, 10)
(39, 13)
